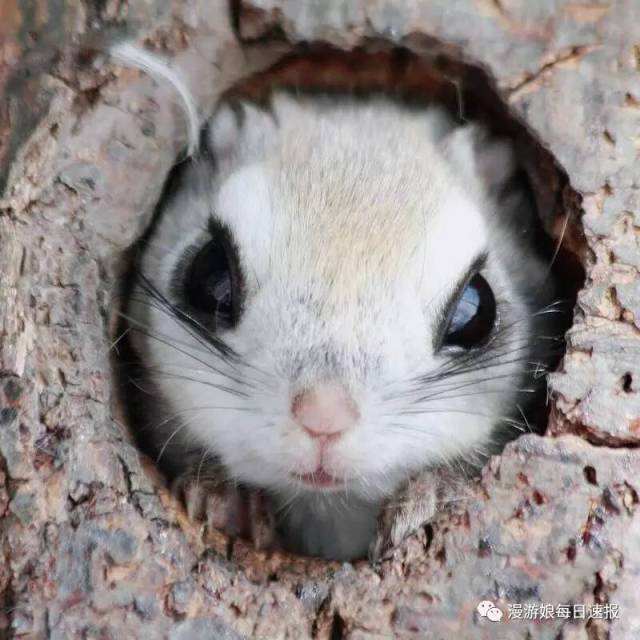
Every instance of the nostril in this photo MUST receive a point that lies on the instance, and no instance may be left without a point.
(325, 435)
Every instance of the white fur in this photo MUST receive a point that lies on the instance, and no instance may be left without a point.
(133, 56)
(354, 222)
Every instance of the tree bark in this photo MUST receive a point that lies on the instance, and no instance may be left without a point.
(91, 544)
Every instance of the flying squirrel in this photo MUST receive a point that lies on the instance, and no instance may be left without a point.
(337, 315)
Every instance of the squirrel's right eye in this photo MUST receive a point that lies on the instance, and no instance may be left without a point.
(473, 317)
(211, 282)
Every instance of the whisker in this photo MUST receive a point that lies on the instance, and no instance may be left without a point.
(166, 342)
(192, 325)
(114, 344)
(204, 347)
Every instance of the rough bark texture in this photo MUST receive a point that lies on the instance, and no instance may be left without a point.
(91, 546)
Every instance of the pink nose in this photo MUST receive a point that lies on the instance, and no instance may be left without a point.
(325, 411)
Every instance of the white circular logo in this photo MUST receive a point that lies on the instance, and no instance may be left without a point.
(487, 609)
(494, 614)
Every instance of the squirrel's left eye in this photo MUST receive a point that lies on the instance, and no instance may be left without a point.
(473, 317)
(212, 281)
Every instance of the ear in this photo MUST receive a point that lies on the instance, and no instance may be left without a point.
(488, 163)
(223, 130)
(440, 124)
(240, 130)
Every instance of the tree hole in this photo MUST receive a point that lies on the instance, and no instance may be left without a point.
(181, 449)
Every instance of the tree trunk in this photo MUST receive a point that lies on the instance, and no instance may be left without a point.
(91, 544)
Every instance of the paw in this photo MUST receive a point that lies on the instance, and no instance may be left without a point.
(410, 509)
(236, 511)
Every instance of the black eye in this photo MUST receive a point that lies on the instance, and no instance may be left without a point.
(211, 283)
(473, 317)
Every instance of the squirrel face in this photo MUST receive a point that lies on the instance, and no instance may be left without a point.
(337, 294)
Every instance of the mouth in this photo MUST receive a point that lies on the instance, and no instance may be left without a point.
(319, 479)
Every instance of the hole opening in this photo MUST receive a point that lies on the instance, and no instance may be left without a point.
(465, 92)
